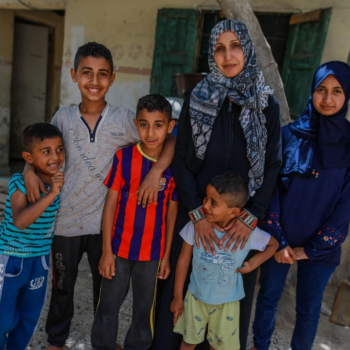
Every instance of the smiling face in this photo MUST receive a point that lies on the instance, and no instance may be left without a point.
(216, 209)
(228, 55)
(94, 77)
(153, 128)
(46, 156)
(329, 97)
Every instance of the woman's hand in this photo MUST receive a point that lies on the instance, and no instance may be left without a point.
(148, 190)
(285, 256)
(300, 253)
(238, 232)
(205, 231)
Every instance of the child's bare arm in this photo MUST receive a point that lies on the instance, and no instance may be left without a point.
(22, 215)
(107, 265)
(165, 270)
(148, 191)
(33, 184)
(182, 266)
(260, 257)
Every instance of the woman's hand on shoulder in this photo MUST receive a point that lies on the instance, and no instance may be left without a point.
(236, 231)
(285, 256)
(205, 232)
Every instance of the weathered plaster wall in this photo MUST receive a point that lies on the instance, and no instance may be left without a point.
(40, 4)
(6, 47)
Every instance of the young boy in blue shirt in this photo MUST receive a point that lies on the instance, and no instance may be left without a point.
(92, 132)
(216, 284)
(26, 235)
(136, 241)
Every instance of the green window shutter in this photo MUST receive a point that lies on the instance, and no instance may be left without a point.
(303, 56)
(175, 48)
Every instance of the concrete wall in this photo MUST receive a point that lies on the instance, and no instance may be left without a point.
(6, 48)
(39, 4)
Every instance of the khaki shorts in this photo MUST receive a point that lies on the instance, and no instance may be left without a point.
(222, 321)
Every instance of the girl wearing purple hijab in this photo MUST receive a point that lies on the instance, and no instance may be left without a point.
(309, 210)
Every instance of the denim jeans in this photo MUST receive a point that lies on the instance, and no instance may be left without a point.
(311, 283)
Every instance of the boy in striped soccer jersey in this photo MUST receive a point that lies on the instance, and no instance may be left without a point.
(136, 240)
(26, 235)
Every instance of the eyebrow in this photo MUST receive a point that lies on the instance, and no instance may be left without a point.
(101, 69)
(334, 87)
(156, 121)
(50, 147)
(230, 42)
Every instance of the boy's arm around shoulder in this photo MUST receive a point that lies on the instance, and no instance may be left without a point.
(165, 270)
(24, 215)
(149, 187)
(261, 256)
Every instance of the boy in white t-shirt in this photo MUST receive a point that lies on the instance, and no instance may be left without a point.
(216, 283)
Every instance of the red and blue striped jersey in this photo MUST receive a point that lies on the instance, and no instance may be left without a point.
(138, 233)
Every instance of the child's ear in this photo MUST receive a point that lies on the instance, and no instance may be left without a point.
(27, 157)
(73, 74)
(235, 211)
(171, 126)
(112, 79)
(135, 122)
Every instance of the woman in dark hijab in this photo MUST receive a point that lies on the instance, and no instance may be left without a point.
(309, 210)
(229, 122)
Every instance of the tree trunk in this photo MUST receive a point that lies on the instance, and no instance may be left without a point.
(241, 11)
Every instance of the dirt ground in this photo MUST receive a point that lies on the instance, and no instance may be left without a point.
(329, 336)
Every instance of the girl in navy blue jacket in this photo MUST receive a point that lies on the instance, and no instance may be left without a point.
(309, 210)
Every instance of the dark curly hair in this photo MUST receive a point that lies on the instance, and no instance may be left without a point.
(95, 50)
(154, 102)
(232, 187)
(38, 131)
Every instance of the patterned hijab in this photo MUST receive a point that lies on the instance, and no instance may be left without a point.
(247, 90)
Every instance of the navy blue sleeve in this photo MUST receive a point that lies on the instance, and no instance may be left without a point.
(258, 204)
(185, 179)
(335, 229)
(271, 222)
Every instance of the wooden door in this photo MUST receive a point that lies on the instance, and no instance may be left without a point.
(175, 48)
(304, 51)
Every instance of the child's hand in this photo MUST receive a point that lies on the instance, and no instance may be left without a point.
(33, 184)
(57, 182)
(300, 253)
(177, 306)
(106, 266)
(164, 269)
(148, 190)
(245, 268)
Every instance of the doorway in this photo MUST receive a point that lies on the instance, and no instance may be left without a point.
(36, 73)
